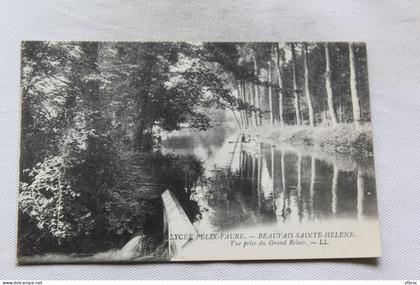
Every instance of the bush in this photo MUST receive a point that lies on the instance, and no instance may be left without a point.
(343, 139)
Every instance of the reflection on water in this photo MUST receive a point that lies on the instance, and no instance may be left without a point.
(250, 183)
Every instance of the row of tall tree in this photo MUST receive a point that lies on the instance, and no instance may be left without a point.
(300, 83)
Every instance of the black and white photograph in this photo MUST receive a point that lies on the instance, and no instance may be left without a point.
(195, 151)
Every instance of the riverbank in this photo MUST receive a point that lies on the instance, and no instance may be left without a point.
(344, 138)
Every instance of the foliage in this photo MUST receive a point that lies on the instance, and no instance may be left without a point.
(179, 174)
(44, 199)
(345, 139)
(163, 85)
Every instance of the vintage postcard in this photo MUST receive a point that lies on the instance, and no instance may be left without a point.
(195, 151)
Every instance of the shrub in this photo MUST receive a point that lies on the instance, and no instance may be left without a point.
(343, 138)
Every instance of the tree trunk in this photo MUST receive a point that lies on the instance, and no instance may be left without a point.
(243, 98)
(307, 92)
(257, 92)
(143, 134)
(353, 89)
(270, 92)
(340, 110)
(239, 120)
(241, 112)
(248, 95)
(252, 102)
(256, 103)
(279, 75)
(236, 119)
(90, 89)
(296, 96)
(328, 87)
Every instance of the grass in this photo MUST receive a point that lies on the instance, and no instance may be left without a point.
(344, 138)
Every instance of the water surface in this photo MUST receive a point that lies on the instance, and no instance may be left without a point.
(249, 183)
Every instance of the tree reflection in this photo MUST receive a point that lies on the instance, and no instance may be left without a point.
(287, 186)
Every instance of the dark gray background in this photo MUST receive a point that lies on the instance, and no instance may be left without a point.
(392, 32)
